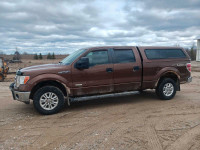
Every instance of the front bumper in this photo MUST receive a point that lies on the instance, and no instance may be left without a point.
(189, 79)
(20, 96)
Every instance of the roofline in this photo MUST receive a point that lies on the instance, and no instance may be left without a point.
(107, 47)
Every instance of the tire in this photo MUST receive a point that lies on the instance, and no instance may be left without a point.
(166, 89)
(141, 91)
(48, 100)
(1, 77)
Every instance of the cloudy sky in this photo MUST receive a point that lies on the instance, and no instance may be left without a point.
(64, 26)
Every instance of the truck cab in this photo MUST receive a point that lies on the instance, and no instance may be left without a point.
(98, 71)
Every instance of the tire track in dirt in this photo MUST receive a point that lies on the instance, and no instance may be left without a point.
(116, 132)
(109, 126)
(81, 133)
(173, 127)
(186, 141)
(41, 124)
(153, 140)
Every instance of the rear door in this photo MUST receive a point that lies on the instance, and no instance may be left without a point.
(127, 69)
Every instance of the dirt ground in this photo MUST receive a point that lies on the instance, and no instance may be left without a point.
(139, 121)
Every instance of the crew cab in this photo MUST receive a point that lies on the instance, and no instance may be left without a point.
(100, 71)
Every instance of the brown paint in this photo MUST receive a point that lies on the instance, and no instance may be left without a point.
(96, 80)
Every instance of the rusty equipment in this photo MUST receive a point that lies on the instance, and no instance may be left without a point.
(3, 69)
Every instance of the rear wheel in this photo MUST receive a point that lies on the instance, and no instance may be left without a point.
(1, 77)
(166, 89)
(48, 100)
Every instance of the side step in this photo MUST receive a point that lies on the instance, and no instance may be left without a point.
(85, 98)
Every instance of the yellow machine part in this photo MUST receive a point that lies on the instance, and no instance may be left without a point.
(3, 69)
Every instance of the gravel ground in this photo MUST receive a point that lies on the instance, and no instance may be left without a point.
(139, 121)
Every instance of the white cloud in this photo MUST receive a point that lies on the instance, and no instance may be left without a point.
(64, 26)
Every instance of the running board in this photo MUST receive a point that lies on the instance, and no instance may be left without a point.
(85, 98)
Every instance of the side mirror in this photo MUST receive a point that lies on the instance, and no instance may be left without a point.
(82, 63)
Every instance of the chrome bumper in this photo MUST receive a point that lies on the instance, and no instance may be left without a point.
(20, 96)
(189, 79)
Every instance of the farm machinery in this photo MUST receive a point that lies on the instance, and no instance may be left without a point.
(3, 69)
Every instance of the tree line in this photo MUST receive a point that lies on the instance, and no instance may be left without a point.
(17, 56)
(49, 56)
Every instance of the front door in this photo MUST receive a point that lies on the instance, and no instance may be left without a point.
(98, 78)
(127, 69)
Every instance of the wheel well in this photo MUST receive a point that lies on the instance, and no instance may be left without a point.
(172, 76)
(48, 83)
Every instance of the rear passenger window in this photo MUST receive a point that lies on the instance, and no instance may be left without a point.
(98, 57)
(124, 56)
(164, 53)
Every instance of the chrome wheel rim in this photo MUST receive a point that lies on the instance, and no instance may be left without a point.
(49, 101)
(168, 89)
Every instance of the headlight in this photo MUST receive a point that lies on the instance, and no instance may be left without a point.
(21, 80)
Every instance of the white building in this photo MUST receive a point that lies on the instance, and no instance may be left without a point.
(198, 50)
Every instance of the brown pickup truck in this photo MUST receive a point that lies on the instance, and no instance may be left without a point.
(101, 71)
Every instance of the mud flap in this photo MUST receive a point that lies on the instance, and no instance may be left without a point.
(68, 101)
(178, 86)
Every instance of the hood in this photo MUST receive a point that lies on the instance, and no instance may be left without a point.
(44, 69)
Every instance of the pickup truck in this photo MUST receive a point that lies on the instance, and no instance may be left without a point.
(100, 71)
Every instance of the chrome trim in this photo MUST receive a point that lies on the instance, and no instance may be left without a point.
(78, 85)
(168, 89)
(64, 72)
(21, 96)
(189, 79)
(49, 101)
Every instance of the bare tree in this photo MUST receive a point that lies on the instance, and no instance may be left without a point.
(191, 52)
(177, 45)
(17, 55)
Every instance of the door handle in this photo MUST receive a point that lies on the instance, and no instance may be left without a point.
(109, 70)
(135, 68)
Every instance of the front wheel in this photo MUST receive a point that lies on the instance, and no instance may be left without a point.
(48, 100)
(166, 90)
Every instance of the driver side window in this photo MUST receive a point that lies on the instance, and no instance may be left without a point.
(98, 57)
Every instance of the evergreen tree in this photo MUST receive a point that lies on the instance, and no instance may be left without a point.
(53, 56)
(35, 56)
(49, 56)
(40, 56)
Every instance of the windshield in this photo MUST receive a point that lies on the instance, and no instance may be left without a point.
(69, 59)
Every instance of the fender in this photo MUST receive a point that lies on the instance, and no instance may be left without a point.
(46, 77)
(166, 70)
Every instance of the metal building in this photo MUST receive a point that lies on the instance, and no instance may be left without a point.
(198, 50)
